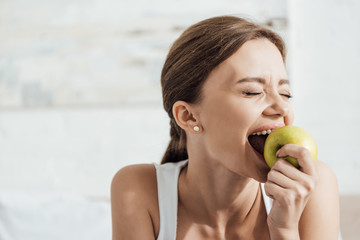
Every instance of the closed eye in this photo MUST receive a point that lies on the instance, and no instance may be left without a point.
(251, 93)
(287, 95)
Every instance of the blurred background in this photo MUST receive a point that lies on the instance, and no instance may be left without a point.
(80, 98)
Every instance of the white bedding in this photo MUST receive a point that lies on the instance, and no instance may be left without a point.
(53, 217)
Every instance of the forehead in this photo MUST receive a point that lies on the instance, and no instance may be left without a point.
(256, 58)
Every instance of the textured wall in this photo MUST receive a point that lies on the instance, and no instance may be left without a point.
(75, 53)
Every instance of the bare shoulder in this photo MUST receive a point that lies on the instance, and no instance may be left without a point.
(321, 215)
(325, 173)
(136, 176)
(134, 202)
(326, 191)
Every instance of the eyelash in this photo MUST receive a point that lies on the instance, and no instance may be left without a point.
(287, 95)
(251, 93)
(258, 93)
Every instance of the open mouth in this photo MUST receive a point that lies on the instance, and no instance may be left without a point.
(257, 140)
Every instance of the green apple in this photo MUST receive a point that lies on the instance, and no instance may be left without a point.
(285, 135)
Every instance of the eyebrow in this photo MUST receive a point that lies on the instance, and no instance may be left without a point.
(261, 80)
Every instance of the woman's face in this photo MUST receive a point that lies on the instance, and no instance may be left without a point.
(247, 93)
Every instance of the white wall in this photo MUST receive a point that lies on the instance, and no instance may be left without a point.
(80, 96)
(77, 150)
(79, 86)
(325, 60)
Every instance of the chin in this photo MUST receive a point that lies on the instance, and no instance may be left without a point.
(261, 169)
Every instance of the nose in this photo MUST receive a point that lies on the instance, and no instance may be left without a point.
(277, 106)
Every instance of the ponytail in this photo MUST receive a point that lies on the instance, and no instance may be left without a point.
(176, 150)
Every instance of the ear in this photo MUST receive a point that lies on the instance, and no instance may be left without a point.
(185, 116)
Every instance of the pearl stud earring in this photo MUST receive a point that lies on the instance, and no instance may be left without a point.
(196, 129)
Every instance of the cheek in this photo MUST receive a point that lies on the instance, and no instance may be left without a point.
(229, 113)
(242, 115)
(227, 125)
(289, 118)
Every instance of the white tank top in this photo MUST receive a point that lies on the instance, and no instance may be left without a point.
(167, 181)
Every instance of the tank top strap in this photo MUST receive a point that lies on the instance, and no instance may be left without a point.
(267, 201)
(167, 176)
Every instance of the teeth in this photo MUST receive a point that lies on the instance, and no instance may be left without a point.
(263, 132)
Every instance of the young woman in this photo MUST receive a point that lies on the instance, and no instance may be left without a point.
(223, 80)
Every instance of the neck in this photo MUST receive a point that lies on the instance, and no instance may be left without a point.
(215, 195)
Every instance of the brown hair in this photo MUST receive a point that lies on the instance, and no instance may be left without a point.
(192, 57)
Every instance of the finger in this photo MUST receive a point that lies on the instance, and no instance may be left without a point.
(287, 169)
(301, 154)
(280, 179)
(297, 180)
(273, 190)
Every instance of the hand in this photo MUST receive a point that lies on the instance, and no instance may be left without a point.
(290, 188)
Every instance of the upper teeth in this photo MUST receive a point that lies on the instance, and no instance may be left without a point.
(262, 132)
